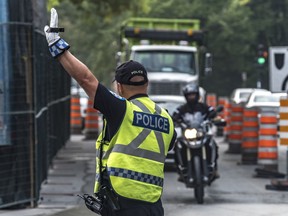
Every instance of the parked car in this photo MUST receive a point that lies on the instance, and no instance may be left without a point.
(241, 95)
(83, 102)
(264, 100)
(202, 92)
(170, 103)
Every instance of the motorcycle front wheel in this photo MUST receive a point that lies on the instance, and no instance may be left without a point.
(199, 186)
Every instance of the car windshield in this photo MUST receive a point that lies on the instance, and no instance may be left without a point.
(166, 61)
(266, 98)
(82, 93)
(244, 95)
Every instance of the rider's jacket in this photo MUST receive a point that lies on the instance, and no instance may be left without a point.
(134, 158)
(187, 108)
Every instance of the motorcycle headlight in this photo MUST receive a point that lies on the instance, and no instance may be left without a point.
(192, 134)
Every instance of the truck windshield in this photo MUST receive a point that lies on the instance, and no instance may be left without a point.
(166, 61)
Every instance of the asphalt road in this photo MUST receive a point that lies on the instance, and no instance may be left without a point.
(236, 192)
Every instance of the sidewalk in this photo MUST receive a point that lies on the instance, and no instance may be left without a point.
(71, 173)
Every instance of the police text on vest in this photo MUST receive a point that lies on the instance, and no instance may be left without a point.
(150, 121)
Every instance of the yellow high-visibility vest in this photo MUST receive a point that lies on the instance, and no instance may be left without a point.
(135, 156)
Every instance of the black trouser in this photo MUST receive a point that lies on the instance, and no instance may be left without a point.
(212, 154)
(136, 208)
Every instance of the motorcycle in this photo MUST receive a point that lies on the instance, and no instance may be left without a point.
(194, 136)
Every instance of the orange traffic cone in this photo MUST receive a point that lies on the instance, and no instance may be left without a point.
(91, 130)
(75, 115)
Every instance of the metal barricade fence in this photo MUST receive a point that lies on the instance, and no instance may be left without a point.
(34, 112)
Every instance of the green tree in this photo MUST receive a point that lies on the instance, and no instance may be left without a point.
(93, 28)
(235, 28)
(269, 22)
(229, 37)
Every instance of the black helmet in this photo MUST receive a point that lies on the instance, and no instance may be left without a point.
(191, 88)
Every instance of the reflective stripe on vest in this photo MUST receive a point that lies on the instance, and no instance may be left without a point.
(124, 173)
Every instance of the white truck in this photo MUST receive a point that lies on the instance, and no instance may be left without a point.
(169, 50)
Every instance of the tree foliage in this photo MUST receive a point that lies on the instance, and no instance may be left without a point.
(229, 38)
(235, 28)
(92, 28)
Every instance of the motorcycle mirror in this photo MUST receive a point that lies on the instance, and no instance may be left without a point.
(220, 122)
(178, 132)
(219, 108)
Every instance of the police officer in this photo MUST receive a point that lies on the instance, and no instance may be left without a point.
(193, 105)
(137, 133)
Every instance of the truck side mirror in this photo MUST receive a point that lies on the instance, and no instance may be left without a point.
(208, 64)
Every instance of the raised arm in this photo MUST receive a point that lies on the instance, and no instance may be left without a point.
(80, 72)
(74, 67)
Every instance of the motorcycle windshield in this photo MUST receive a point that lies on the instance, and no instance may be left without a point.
(193, 120)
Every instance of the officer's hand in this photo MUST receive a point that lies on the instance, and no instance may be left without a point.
(51, 36)
(57, 46)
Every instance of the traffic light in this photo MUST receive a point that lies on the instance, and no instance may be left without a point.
(262, 55)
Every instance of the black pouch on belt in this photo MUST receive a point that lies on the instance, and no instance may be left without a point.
(110, 197)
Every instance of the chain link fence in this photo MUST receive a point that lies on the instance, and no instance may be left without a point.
(34, 112)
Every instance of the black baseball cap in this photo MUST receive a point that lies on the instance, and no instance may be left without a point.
(129, 69)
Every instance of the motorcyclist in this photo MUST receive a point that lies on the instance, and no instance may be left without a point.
(193, 105)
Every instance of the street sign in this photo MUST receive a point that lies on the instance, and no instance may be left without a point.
(278, 69)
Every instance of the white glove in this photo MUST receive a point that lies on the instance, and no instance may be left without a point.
(52, 37)
(57, 46)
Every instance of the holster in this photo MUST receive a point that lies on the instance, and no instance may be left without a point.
(110, 198)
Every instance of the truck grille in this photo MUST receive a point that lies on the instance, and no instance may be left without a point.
(166, 88)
